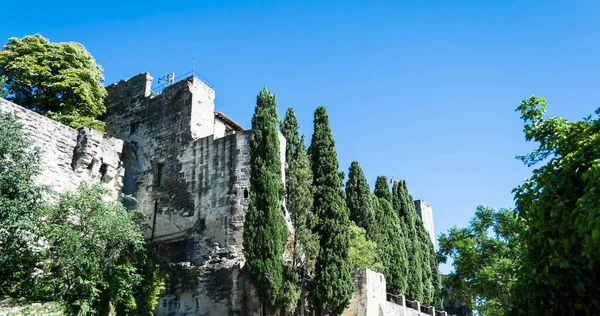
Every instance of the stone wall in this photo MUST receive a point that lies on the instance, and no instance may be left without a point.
(70, 156)
(426, 213)
(370, 298)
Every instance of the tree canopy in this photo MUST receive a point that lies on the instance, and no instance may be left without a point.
(333, 279)
(560, 204)
(299, 203)
(485, 259)
(60, 80)
(358, 197)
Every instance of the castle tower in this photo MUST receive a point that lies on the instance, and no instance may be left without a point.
(189, 169)
(426, 214)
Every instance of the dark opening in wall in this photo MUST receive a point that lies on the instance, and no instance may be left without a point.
(160, 167)
(245, 193)
(132, 127)
(103, 169)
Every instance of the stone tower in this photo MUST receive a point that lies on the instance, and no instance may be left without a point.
(426, 214)
(188, 168)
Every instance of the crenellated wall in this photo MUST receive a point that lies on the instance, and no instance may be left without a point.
(70, 156)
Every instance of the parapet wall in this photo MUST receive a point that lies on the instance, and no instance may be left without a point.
(70, 156)
(370, 298)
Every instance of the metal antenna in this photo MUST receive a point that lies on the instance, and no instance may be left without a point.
(193, 65)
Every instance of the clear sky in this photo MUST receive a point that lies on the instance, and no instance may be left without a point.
(423, 90)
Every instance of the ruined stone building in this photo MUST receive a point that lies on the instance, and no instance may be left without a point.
(188, 168)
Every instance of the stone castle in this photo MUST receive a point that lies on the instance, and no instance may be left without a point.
(188, 168)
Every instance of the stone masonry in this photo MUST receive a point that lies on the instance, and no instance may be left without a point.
(370, 298)
(70, 156)
(188, 168)
(426, 214)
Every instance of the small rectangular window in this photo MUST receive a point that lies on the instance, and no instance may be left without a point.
(132, 127)
(159, 174)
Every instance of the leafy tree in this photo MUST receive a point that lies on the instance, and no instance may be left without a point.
(20, 210)
(485, 259)
(61, 80)
(265, 231)
(405, 208)
(363, 252)
(93, 249)
(388, 233)
(299, 202)
(333, 279)
(83, 251)
(358, 197)
(560, 203)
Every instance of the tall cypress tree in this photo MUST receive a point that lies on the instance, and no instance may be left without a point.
(299, 202)
(388, 233)
(405, 207)
(265, 231)
(358, 198)
(333, 279)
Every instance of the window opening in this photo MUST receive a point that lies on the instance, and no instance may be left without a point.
(159, 174)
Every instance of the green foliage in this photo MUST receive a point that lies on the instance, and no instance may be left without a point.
(333, 279)
(20, 210)
(560, 203)
(83, 252)
(485, 259)
(265, 231)
(358, 197)
(363, 252)
(61, 80)
(2, 86)
(404, 206)
(299, 202)
(93, 247)
(388, 233)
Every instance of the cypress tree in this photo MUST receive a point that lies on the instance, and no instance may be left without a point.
(358, 198)
(333, 280)
(299, 202)
(265, 231)
(406, 210)
(426, 272)
(389, 235)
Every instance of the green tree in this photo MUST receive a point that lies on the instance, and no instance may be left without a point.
(20, 210)
(363, 252)
(388, 233)
(404, 206)
(333, 279)
(265, 231)
(94, 247)
(560, 203)
(485, 258)
(299, 202)
(428, 260)
(61, 80)
(358, 197)
(83, 251)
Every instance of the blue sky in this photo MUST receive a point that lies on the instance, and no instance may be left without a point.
(425, 91)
